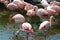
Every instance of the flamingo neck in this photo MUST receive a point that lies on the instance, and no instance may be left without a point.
(36, 10)
(51, 20)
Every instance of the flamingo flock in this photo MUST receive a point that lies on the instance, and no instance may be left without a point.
(49, 11)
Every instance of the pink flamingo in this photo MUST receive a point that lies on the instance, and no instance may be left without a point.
(27, 28)
(53, 9)
(46, 25)
(18, 18)
(55, 2)
(57, 8)
(12, 6)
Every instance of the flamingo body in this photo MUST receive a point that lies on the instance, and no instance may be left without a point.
(18, 18)
(44, 25)
(51, 10)
(12, 6)
(55, 2)
(42, 12)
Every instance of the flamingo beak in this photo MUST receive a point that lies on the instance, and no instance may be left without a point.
(31, 31)
(12, 19)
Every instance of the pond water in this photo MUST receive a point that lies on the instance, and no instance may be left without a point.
(7, 31)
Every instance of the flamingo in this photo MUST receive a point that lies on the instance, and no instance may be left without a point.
(44, 3)
(55, 2)
(27, 28)
(53, 9)
(57, 8)
(46, 25)
(18, 18)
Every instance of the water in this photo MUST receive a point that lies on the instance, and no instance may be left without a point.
(9, 34)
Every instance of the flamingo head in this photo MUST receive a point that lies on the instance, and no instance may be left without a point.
(30, 12)
(53, 18)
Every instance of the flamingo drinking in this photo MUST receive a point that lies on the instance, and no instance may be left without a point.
(18, 18)
(27, 28)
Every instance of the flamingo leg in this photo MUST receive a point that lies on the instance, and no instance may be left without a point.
(27, 35)
(45, 34)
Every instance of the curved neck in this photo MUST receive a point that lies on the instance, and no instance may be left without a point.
(51, 21)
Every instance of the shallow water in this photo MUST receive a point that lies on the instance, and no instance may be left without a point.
(8, 33)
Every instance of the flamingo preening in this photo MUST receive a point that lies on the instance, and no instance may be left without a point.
(46, 25)
(27, 28)
(18, 19)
